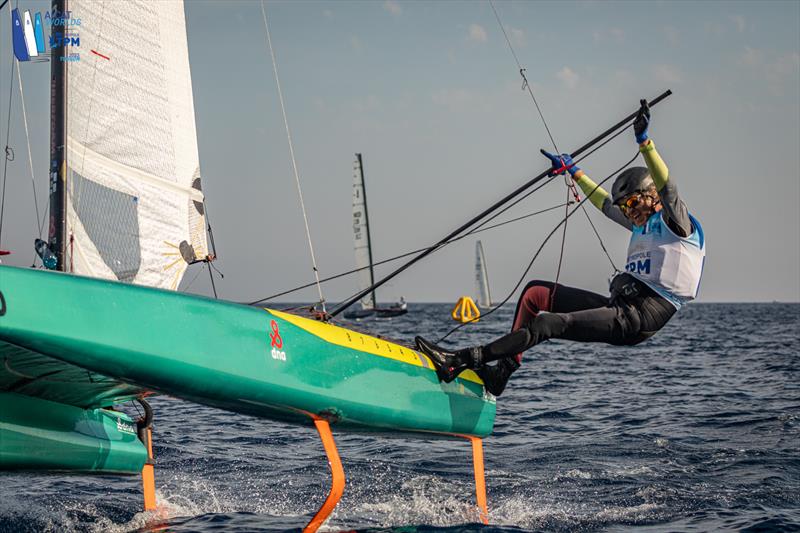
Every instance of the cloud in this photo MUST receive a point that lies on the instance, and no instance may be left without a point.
(785, 64)
(392, 7)
(618, 34)
(667, 73)
(517, 37)
(741, 23)
(774, 69)
(778, 71)
(328, 14)
(568, 77)
(751, 57)
(477, 33)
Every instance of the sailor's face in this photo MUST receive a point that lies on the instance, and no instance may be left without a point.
(638, 208)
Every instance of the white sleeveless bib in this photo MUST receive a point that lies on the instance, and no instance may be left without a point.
(669, 264)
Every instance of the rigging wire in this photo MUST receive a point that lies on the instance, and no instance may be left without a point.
(526, 85)
(294, 162)
(406, 254)
(539, 250)
(9, 152)
(438, 246)
(560, 253)
(30, 156)
(196, 274)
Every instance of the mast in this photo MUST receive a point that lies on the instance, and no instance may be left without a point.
(366, 224)
(58, 139)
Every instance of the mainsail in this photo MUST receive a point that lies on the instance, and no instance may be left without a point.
(481, 278)
(361, 236)
(134, 206)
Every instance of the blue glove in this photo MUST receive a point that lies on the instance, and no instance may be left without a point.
(559, 162)
(641, 122)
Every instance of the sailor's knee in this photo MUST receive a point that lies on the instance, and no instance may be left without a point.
(537, 296)
(547, 325)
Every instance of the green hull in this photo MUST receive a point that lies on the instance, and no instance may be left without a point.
(248, 360)
(38, 434)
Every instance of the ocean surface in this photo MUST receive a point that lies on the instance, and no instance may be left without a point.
(698, 429)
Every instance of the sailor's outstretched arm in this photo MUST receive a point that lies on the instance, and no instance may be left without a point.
(597, 195)
(675, 212)
(601, 199)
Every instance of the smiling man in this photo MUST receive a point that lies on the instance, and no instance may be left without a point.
(663, 269)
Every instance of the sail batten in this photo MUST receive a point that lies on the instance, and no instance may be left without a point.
(134, 199)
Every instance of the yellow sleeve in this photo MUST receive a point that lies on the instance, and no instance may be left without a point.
(597, 195)
(658, 169)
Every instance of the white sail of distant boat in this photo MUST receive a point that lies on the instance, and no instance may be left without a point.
(484, 296)
(134, 205)
(361, 238)
(362, 243)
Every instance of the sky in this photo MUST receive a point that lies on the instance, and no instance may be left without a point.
(430, 94)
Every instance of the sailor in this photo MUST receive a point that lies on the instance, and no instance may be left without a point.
(662, 272)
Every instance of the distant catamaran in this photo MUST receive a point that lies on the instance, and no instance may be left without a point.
(362, 244)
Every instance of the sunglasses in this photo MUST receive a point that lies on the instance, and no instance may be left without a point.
(631, 202)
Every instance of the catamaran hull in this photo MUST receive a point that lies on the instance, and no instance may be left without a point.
(37, 434)
(244, 359)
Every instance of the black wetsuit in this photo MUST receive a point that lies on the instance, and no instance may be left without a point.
(632, 313)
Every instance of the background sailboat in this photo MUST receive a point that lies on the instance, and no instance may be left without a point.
(483, 296)
(362, 245)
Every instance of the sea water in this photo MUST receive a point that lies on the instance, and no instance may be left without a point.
(698, 429)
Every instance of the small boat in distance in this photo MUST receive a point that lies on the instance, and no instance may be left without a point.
(362, 245)
(482, 293)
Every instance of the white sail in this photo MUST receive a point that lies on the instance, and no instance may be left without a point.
(134, 200)
(30, 36)
(484, 297)
(361, 237)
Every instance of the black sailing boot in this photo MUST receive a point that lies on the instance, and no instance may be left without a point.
(450, 364)
(495, 377)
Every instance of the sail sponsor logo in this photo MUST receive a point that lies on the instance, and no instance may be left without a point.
(276, 342)
(124, 427)
(28, 34)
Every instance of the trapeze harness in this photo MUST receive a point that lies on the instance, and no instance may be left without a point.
(663, 272)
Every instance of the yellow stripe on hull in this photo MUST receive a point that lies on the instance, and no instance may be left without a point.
(365, 343)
